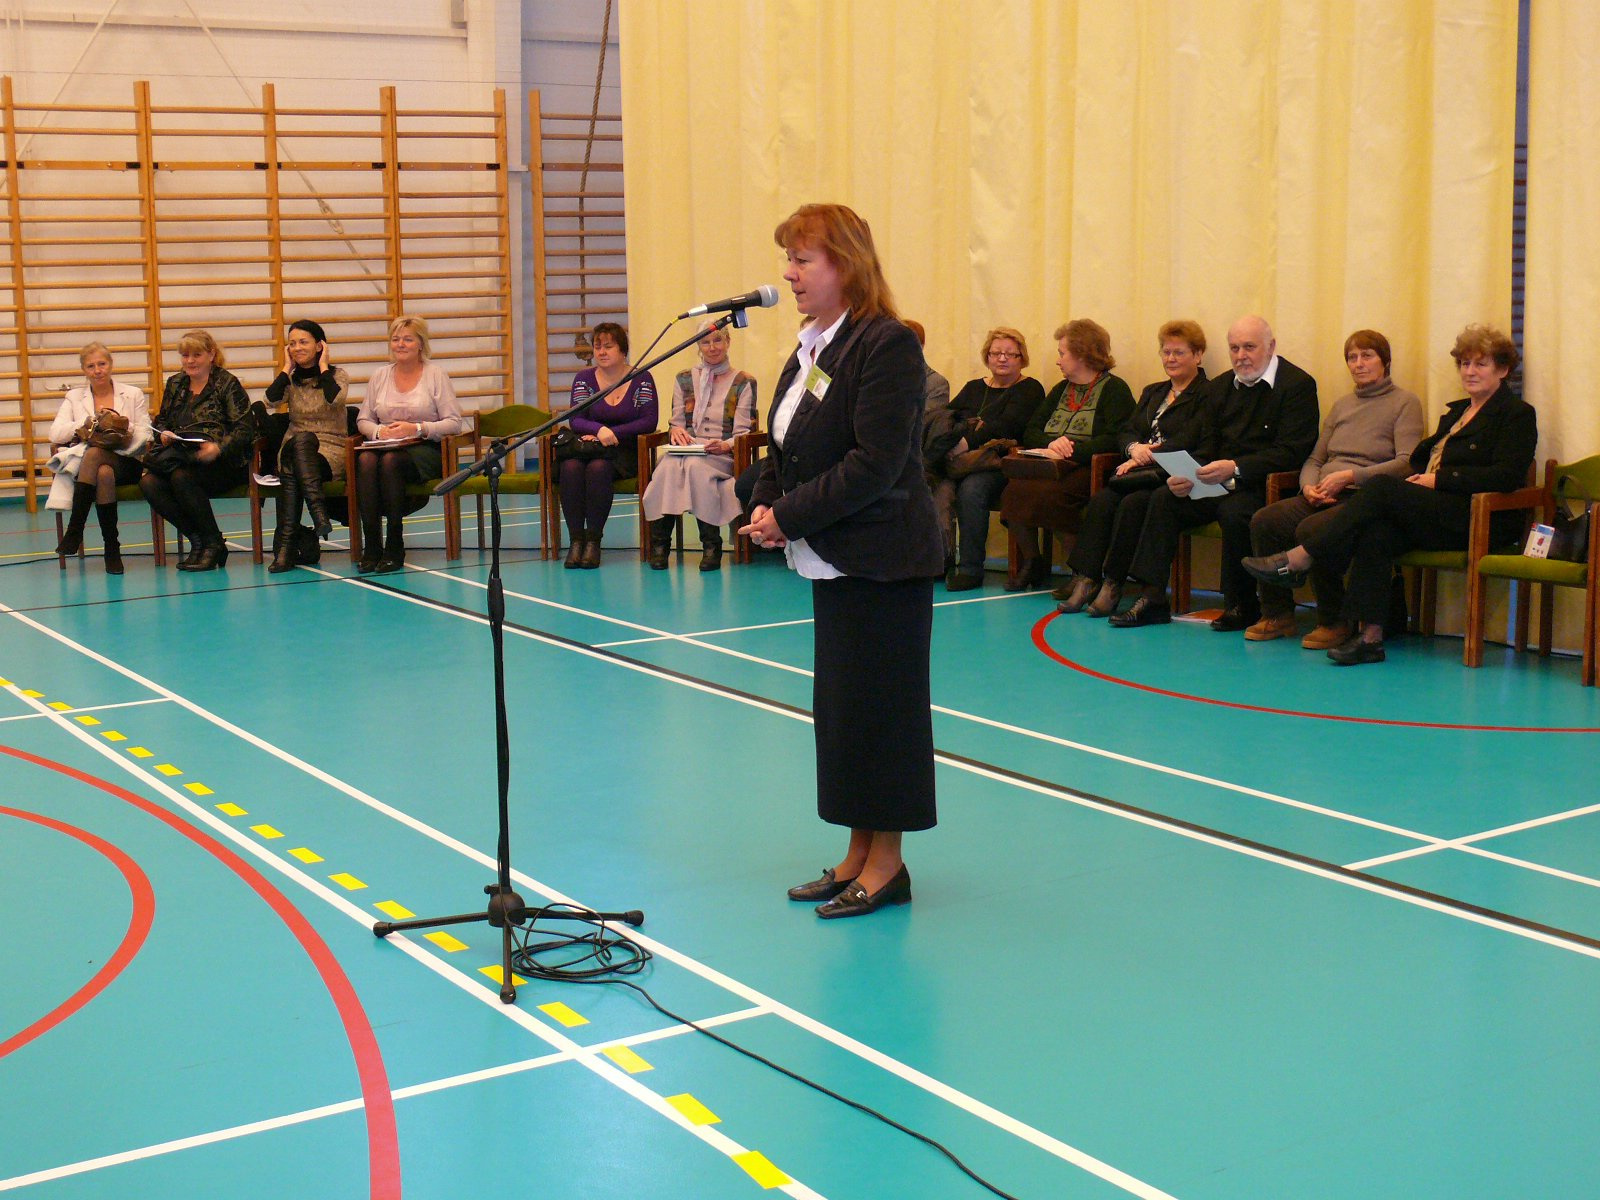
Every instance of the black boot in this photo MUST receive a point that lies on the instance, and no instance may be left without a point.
(82, 501)
(108, 536)
(211, 556)
(283, 555)
(710, 546)
(308, 468)
(661, 541)
(394, 551)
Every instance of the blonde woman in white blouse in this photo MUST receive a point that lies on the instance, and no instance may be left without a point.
(409, 402)
(98, 470)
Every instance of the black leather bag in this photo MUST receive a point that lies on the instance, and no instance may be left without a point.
(164, 460)
(568, 445)
(1140, 479)
(1570, 542)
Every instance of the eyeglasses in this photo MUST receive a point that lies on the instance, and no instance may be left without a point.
(1004, 354)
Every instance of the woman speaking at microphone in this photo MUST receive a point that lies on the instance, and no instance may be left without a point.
(843, 494)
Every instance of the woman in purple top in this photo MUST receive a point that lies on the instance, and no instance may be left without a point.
(616, 424)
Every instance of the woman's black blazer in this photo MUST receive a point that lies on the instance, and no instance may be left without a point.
(848, 477)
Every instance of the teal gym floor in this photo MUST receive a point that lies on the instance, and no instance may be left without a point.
(1201, 918)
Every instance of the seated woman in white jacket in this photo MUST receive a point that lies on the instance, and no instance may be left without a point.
(107, 459)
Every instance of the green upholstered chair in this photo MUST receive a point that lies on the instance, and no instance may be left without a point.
(1425, 565)
(1578, 482)
(501, 423)
(1279, 485)
(421, 493)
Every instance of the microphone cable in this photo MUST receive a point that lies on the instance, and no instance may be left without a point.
(602, 954)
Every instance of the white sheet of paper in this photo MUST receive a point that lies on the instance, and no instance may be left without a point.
(1181, 463)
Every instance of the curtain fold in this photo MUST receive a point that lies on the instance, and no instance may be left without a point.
(1330, 166)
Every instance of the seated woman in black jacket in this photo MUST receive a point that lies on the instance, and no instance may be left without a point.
(995, 409)
(1484, 443)
(1167, 418)
(199, 447)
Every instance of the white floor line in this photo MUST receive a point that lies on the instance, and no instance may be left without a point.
(323, 1111)
(474, 986)
(1471, 839)
(98, 708)
(598, 1064)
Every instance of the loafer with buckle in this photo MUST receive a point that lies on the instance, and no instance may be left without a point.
(1274, 569)
(856, 901)
(1271, 628)
(825, 888)
(1232, 620)
(1143, 611)
(1074, 596)
(1353, 652)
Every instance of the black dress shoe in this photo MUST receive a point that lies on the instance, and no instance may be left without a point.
(1353, 652)
(1143, 611)
(856, 901)
(367, 565)
(825, 888)
(960, 582)
(1233, 619)
(1274, 569)
(387, 565)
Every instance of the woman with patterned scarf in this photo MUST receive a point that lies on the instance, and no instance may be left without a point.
(711, 405)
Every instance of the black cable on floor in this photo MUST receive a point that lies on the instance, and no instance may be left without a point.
(599, 955)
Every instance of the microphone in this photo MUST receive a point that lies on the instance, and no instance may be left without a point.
(764, 296)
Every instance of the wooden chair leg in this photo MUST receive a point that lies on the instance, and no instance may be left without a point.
(1181, 580)
(1430, 600)
(1591, 619)
(1547, 605)
(1472, 642)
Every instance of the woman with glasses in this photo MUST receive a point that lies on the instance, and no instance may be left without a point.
(996, 409)
(1166, 417)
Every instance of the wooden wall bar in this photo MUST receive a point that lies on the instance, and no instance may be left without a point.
(132, 224)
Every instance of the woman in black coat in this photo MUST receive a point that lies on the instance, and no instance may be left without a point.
(1484, 443)
(843, 493)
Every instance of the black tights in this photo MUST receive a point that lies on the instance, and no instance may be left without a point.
(381, 480)
(586, 489)
(183, 498)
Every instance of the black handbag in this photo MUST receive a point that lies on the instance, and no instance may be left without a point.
(568, 445)
(1570, 541)
(1140, 479)
(164, 460)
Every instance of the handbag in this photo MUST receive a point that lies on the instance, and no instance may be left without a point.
(106, 428)
(568, 445)
(986, 457)
(164, 460)
(1139, 479)
(1570, 540)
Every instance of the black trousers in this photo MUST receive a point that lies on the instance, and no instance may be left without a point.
(1150, 549)
(1382, 521)
(870, 703)
(183, 498)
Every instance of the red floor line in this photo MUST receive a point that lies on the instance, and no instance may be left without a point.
(383, 1145)
(1049, 651)
(133, 939)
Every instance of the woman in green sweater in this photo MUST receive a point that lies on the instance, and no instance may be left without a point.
(1077, 420)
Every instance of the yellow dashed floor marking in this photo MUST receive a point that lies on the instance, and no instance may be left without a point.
(200, 789)
(697, 1113)
(231, 810)
(347, 881)
(446, 941)
(86, 719)
(760, 1169)
(559, 1012)
(59, 705)
(140, 752)
(265, 831)
(625, 1058)
(33, 695)
(111, 735)
(168, 769)
(495, 974)
(305, 856)
(389, 908)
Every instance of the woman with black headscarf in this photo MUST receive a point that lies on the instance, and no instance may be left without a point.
(313, 448)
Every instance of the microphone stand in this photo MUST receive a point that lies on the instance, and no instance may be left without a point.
(506, 909)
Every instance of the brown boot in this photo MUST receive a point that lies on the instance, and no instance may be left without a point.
(1326, 637)
(710, 547)
(591, 552)
(661, 542)
(1106, 600)
(575, 552)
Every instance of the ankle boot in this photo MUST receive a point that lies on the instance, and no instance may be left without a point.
(661, 542)
(394, 552)
(283, 555)
(82, 501)
(108, 536)
(710, 547)
(211, 556)
(575, 551)
(591, 551)
(308, 469)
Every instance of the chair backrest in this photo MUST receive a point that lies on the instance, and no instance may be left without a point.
(512, 419)
(1576, 481)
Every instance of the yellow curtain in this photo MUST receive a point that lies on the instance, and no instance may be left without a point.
(1563, 266)
(1332, 166)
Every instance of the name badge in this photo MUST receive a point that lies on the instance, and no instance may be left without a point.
(817, 381)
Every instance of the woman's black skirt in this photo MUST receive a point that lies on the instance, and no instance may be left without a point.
(870, 703)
